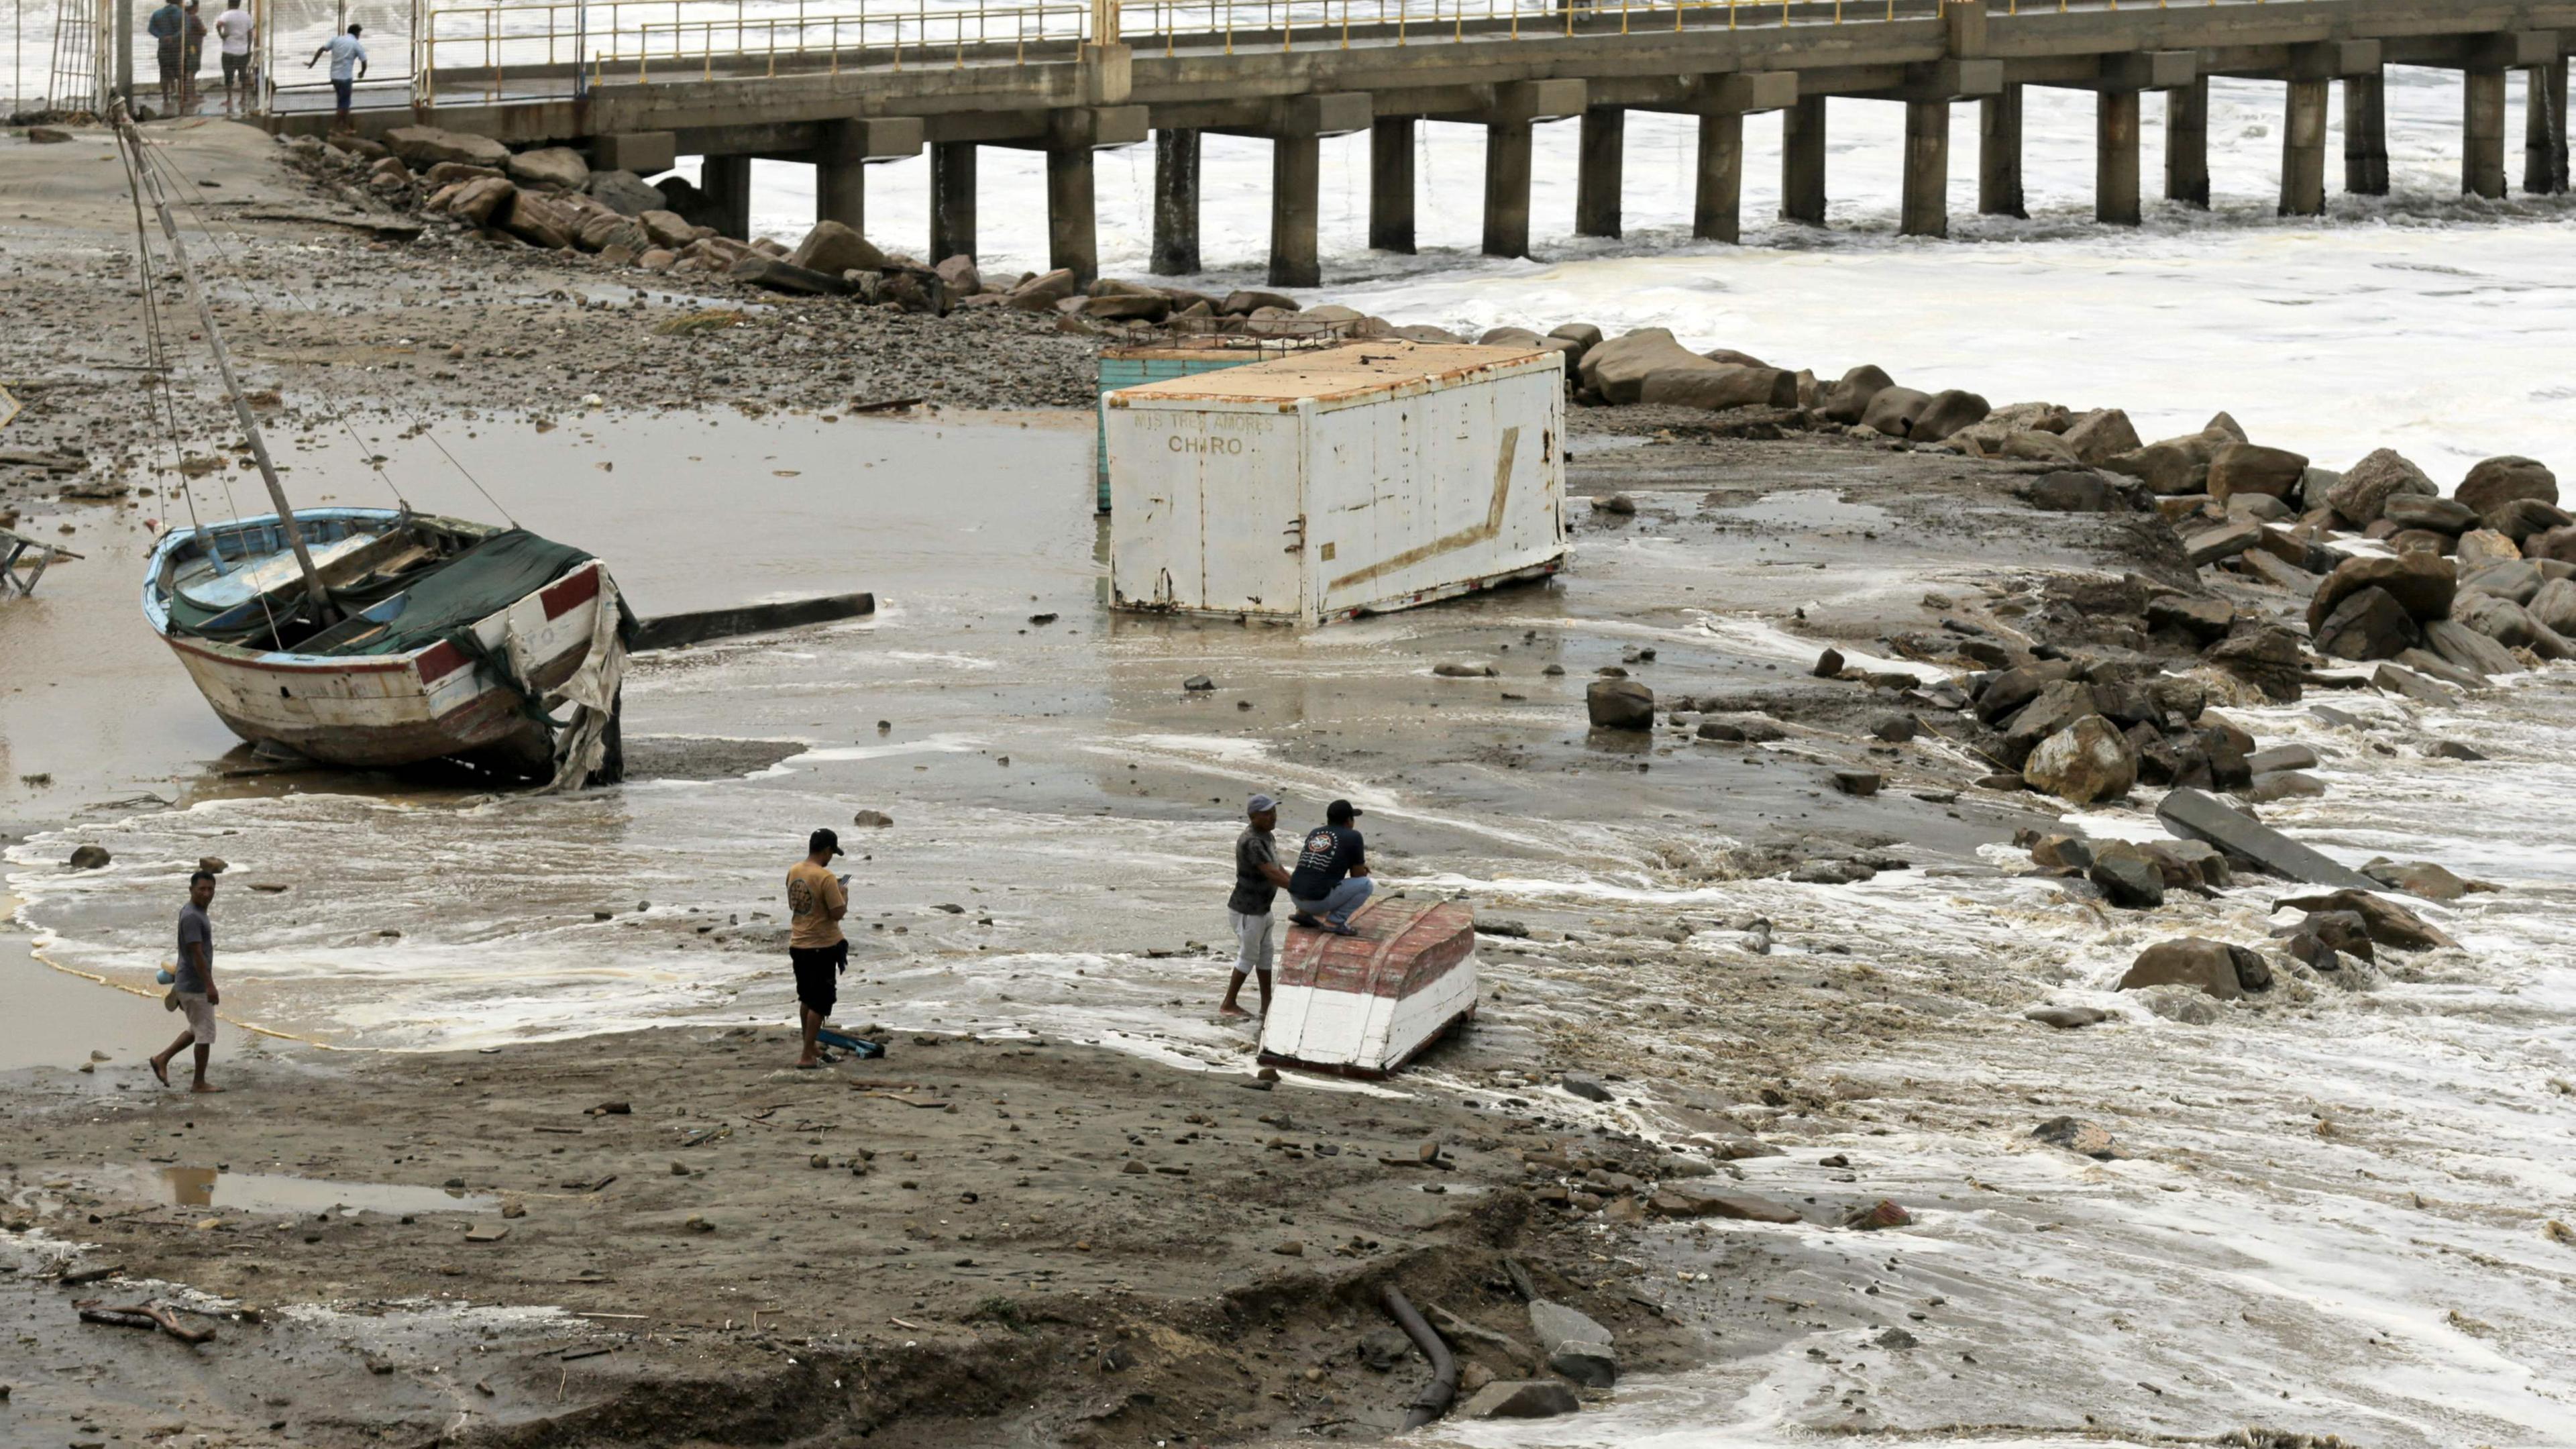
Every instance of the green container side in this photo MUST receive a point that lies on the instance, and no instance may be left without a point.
(1118, 372)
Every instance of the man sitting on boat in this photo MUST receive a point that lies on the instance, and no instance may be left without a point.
(1332, 875)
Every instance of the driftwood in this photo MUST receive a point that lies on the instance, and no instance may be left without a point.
(670, 631)
(144, 1316)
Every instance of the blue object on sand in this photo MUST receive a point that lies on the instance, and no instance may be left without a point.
(165, 978)
(857, 1046)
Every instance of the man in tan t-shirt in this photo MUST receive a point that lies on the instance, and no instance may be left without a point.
(815, 946)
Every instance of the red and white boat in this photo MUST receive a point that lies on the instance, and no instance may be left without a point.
(436, 638)
(1364, 1005)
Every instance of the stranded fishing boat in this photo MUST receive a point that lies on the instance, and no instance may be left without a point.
(1363, 1005)
(375, 637)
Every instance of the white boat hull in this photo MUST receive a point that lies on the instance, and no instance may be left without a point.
(1364, 1006)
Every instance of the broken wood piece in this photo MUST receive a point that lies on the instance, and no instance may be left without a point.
(886, 405)
(77, 1276)
(670, 631)
(583, 1350)
(143, 1315)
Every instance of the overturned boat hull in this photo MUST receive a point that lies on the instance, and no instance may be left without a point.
(1367, 1004)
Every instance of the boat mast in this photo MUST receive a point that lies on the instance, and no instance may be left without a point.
(138, 171)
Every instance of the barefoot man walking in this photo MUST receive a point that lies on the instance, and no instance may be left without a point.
(815, 945)
(1257, 879)
(194, 988)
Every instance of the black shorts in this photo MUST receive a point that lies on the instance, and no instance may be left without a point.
(236, 68)
(818, 973)
(340, 92)
(168, 56)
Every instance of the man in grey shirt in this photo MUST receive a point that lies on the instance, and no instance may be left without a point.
(193, 987)
(1257, 879)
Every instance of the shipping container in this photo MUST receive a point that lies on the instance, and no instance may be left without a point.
(1370, 477)
(1122, 367)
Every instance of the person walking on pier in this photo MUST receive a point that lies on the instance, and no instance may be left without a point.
(348, 67)
(233, 30)
(168, 27)
(1257, 881)
(816, 949)
(192, 58)
(1332, 876)
(192, 988)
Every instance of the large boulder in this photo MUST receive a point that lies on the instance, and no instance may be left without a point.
(2104, 433)
(2059, 704)
(2368, 624)
(1717, 388)
(2484, 546)
(1847, 401)
(1617, 369)
(2215, 967)
(623, 192)
(2173, 467)
(777, 275)
(477, 201)
(556, 168)
(2197, 815)
(2423, 583)
(2389, 923)
(2008, 691)
(539, 220)
(2437, 515)
(1041, 292)
(429, 145)
(1245, 303)
(833, 248)
(2241, 468)
(2554, 545)
(2129, 881)
(1892, 410)
(2499, 481)
(2466, 648)
(2366, 486)
(1519, 1399)
(1573, 1345)
(1620, 704)
(2087, 761)
(2519, 518)
(2508, 623)
(1582, 336)
(1946, 412)
(605, 229)
(666, 228)
(2554, 605)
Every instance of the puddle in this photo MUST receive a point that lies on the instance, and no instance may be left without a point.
(269, 1192)
(1805, 508)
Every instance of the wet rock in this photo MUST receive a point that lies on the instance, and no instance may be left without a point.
(1198, 684)
(2399, 680)
(89, 857)
(429, 145)
(2418, 878)
(1582, 1084)
(1041, 292)
(2499, 481)
(2061, 852)
(1741, 729)
(2436, 515)
(212, 864)
(2267, 657)
(1619, 704)
(2201, 816)
(2213, 967)
(2087, 761)
(2367, 624)
(1618, 369)
(2468, 649)
(2240, 468)
(2554, 545)
(1383, 1348)
(2074, 492)
(1520, 1399)
(2553, 605)
(1832, 872)
(1862, 783)
(2213, 545)
(1896, 729)
(1719, 387)
(2424, 584)
(2100, 435)
(2067, 1018)
(2344, 931)
(1694, 1200)
(2006, 780)
(480, 200)
(2390, 924)
(1883, 1213)
(1892, 410)
(1946, 412)
(1847, 400)
(2187, 1005)
(2076, 1135)
(2129, 882)
(2524, 519)
(2281, 757)
(2509, 624)
(1246, 302)
(558, 168)
(2203, 620)
(1619, 504)
(2203, 859)
(1574, 1345)
(775, 275)
(1463, 669)
(873, 820)
(2366, 487)
(1897, 1339)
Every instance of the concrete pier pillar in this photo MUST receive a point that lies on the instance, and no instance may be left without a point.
(952, 200)
(1596, 188)
(2365, 134)
(1176, 202)
(1296, 174)
(841, 194)
(2115, 159)
(2303, 150)
(2544, 130)
(1507, 188)
(2187, 144)
(726, 183)
(1802, 161)
(1926, 207)
(1391, 184)
(1999, 154)
(1717, 207)
(1073, 234)
(2482, 133)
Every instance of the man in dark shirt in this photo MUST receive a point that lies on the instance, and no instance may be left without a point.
(1332, 876)
(168, 27)
(192, 987)
(1257, 879)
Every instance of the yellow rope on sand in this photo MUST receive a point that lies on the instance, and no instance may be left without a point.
(37, 954)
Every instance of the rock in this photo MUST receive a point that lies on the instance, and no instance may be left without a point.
(1586, 1086)
(2400, 680)
(1463, 669)
(1509, 337)
(780, 276)
(2199, 816)
(429, 145)
(2087, 761)
(1947, 412)
(608, 229)
(1896, 729)
(1847, 400)
(2067, 1018)
(538, 221)
(2523, 518)
(2172, 467)
(47, 136)
(2369, 624)
(449, 173)
(833, 248)
(961, 276)
(1384, 1347)
(1128, 307)
(558, 168)
(2423, 584)
(2482, 546)
(1880, 1214)
(1583, 335)
(1717, 388)
(1892, 410)
(1574, 1345)
(89, 857)
(1742, 729)
(1519, 1399)
(2343, 931)
(2390, 924)
(623, 192)
(873, 820)
(2267, 657)
(1694, 1200)
(1619, 704)
(2009, 691)
(2073, 492)
(2061, 852)
(2417, 878)
(2251, 468)
(1245, 303)
(2226, 541)
(2426, 662)
(1041, 292)
(2553, 605)
(1617, 504)
(2498, 481)
(2509, 624)
(1617, 369)
(2367, 485)
(2129, 882)
(480, 200)
(2059, 706)
(2468, 649)
(2212, 967)
(2437, 515)
(2204, 620)
(1861, 783)
(2100, 435)
(2089, 1139)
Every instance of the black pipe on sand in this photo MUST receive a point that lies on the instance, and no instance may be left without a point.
(1434, 1399)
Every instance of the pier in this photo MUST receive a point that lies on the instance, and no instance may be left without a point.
(843, 84)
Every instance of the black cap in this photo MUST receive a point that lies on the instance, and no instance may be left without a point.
(823, 840)
(1341, 812)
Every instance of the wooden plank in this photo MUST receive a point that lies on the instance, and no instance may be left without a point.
(670, 631)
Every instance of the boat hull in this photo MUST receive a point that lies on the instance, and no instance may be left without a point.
(1365, 1005)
